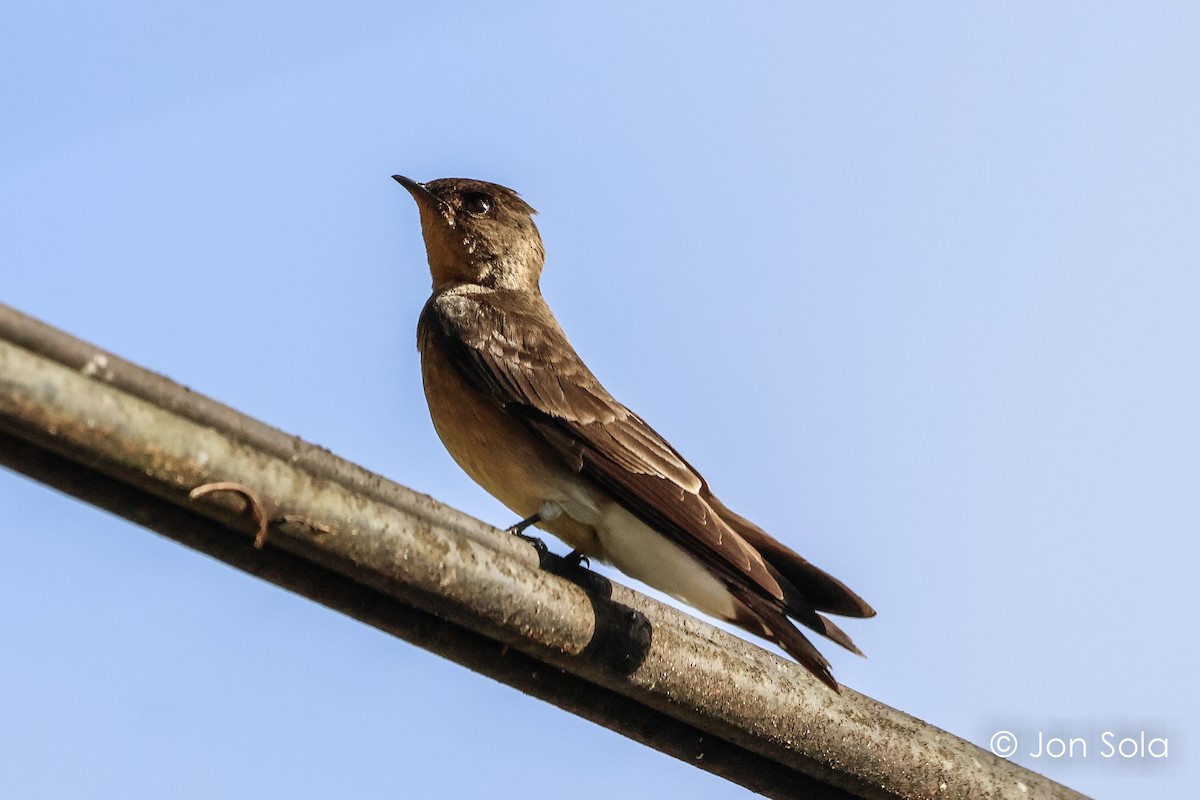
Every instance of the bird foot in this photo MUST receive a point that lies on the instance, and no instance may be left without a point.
(518, 530)
(578, 560)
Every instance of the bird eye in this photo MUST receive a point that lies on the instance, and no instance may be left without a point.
(477, 203)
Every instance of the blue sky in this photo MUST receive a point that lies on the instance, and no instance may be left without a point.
(915, 286)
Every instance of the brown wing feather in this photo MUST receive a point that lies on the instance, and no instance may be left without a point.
(660, 502)
(510, 346)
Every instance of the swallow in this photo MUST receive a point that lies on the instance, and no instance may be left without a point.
(522, 414)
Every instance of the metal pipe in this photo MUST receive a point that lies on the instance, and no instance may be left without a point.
(126, 439)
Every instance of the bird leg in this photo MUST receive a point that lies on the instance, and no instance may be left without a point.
(518, 530)
(549, 510)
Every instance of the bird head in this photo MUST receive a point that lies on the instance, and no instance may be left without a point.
(477, 233)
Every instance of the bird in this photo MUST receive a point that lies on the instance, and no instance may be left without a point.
(524, 417)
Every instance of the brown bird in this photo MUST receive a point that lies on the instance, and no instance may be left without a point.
(524, 417)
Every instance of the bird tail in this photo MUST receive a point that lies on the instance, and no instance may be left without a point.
(819, 590)
(760, 617)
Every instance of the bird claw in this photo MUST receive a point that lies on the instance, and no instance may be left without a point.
(518, 530)
(537, 543)
(578, 560)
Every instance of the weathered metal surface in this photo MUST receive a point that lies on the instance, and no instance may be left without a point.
(94, 410)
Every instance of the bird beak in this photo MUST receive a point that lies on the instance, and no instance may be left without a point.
(423, 196)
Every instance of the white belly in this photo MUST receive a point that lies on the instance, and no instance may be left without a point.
(642, 553)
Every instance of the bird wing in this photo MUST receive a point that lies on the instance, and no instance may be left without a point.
(509, 346)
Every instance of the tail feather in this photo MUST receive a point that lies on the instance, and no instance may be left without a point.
(820, 590)
(836, 634)
(762, 618)
(807, 590)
